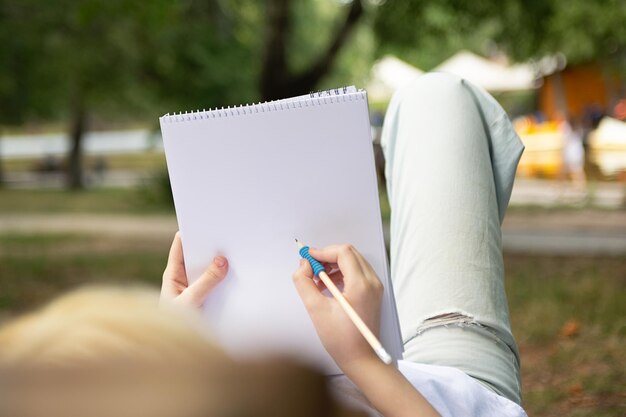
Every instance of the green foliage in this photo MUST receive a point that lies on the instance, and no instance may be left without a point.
(427, 31)
(354, 62)
(132, 60)
(314, 23)
(63, 52)
(208, 56)
(313, 26)
(582, 30)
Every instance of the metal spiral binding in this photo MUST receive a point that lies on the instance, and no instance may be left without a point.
(330, 92)
(316, 98)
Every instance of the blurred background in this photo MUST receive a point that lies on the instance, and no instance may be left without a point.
(85, 195)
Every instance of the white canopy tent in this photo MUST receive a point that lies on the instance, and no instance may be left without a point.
(388, 74)
(491, 76)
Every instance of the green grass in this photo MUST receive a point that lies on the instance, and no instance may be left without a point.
(554, 289)
(579, 373)
(146, 161)
(18, 242)
(101, 200)
(36, 267)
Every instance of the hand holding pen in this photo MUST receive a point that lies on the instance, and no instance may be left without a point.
(347, 323)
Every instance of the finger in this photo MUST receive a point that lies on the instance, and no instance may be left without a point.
(307, 290)
(370, 282)
(197, 293)
(330, 266)
(342, 255)
(320, 285)
(365, 266)
(307, 270)
(329, 254)
(176, 262)
(358, 256)
(336, 278)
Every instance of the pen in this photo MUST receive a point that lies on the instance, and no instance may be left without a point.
(318, 269)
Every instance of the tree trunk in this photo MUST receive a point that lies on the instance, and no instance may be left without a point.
(78, 125)
(276, 81)
(1, 165)
(274, 67)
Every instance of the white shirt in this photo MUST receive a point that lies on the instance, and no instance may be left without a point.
(451, 392)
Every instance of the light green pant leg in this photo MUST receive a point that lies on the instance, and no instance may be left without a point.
(451, 156)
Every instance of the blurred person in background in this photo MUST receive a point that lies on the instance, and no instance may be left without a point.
(619, 111)
(573, 154)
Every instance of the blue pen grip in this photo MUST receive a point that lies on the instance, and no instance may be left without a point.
(317, 267)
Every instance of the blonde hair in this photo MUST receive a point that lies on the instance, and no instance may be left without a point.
(104, 351)
(115, 351)
(97, 323)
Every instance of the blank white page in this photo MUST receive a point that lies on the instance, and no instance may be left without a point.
(247, 181)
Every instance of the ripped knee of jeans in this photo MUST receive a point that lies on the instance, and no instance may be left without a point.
(448, 316)
(453, 317)
(458, 319)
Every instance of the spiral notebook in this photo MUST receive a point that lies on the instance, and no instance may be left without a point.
(246, 181)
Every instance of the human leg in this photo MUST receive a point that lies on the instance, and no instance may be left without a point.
(451, 155)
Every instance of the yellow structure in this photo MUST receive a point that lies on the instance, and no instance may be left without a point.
(575, 92)
(544, 145)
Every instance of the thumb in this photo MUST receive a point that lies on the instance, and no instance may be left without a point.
(308, 291)
(197, 292)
